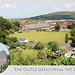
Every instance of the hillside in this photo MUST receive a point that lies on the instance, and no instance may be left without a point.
(56, 15)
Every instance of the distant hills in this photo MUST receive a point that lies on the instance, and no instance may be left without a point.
(56, 15)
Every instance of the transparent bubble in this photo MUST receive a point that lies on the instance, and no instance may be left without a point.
(4, 57)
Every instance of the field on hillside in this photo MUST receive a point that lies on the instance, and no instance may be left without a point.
(30, 52)
(43, 37)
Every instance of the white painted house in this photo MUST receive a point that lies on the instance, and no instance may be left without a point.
(23, 40)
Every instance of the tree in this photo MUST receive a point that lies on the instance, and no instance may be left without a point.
(57, 28)
(57, 24)
(2, 36)
(24, 45)
(39, 46)
(4, 24)
(17, 23)
(13, 39)
(66, 38)
(69, 26)
(54, 45)
(72, 33)
(73, 25)
(41, 55)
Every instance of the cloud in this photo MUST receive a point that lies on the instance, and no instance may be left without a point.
(1, 6)
(68, 5)
(40, 7)
(56, 8)
(8, 6)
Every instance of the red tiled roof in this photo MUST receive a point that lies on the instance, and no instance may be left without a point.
(51, 24)
(22, 25)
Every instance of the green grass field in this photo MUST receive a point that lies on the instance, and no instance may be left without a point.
(30, 52)
(43, 37)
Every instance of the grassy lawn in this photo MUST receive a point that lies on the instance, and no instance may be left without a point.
(30, 52)
(43, 37)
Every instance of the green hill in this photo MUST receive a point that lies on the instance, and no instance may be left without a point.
(56, 15)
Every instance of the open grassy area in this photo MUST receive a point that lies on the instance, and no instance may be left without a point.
(30, 52)
(43, 37)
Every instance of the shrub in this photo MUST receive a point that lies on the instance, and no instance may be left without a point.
(72, 33)
(24, 45)
(57, 28)
(29, 60)
(2, 36)
(13, 39)
(20, 32)
(73, 25)
(12, 45)
(49, 54)
(39, 46)
(64, 50)
(54, 45)
(44, 29)
(31, 41)
(30, 47)
(42, 55)
(69, 26)
(11, 31)
(66, 38)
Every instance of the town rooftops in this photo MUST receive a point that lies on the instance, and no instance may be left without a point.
(37, 26)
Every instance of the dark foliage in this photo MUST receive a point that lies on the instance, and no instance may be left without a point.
(69, 26)
(39, 46)
(57, 28)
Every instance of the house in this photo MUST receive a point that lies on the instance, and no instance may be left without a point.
(25, 27)
(22, 25)
(66, 23)
(23, 40)
(51, 24)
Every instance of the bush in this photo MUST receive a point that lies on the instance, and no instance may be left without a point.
(66, 38)
(13, 39)
(11, 31)
(31, 41)
(39, 46)
(30, 47)
(44, 29)
(69, 26)
(54, 45)
(49, 54)
(57, 28)
(39, 30)
(24, 45)
(2, 36)
(42, 55)
(64, 50)
(73, 25)
(20, 32)
(12, 45)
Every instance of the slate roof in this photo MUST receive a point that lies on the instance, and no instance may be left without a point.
(22, 39)
(37, 26)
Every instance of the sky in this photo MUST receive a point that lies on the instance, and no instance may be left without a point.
(4, 48)
(26, 10)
